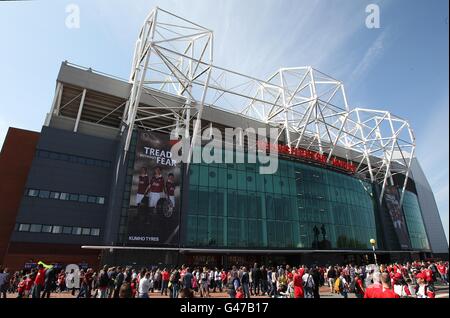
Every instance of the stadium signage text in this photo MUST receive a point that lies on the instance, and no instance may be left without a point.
(160, 156)
(310, 155)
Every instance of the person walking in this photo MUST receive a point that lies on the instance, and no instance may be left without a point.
(39, 281)
(120, 277)
(308, 284)
(144, 286)
(164, 281)
(297, 283)
(245, 282)
(256, 278)
(331, 276)
(359, 286)
(187, 279)
(4, 282)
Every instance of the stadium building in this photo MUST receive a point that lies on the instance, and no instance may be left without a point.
(100, 183)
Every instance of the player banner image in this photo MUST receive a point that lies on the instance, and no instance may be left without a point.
(395, 211)
(154, 213)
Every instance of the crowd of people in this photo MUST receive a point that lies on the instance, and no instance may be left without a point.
(415, 279)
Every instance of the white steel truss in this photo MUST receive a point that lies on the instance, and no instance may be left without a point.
(175, 56)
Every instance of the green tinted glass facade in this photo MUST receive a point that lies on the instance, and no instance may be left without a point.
(414, 221)
(233, 206)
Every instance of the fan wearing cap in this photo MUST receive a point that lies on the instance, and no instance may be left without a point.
(400, 286)
(423, 290)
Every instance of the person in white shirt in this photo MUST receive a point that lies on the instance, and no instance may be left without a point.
(308, 284)
(144, 286)
(217, 280)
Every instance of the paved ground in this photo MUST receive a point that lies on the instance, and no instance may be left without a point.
(441, 292)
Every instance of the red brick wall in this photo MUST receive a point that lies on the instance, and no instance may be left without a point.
(15, 162)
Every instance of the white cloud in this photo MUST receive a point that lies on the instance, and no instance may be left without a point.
(372, 55)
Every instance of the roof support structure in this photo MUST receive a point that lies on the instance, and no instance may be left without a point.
(175, 56)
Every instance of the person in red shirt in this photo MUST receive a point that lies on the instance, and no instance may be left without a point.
(223, 277)
(39, 282)
(386, 290)
(21, 288)
(155, 188)
(374, 289)
(443, 272)
(298, 283)
(165, 276)
(428, 275)
(29, 283)
(359, 287)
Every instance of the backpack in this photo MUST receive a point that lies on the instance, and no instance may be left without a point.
(338, 285)
(309, 283)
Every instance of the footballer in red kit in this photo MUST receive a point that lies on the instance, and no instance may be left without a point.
(155, 188)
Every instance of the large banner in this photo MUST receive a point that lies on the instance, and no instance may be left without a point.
(395, 211)
(154, 213)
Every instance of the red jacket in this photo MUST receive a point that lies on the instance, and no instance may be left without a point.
(40, 277)
(298, 286)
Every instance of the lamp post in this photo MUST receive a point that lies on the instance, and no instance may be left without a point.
(373, 242)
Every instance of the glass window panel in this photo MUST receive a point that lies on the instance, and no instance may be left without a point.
(92, 199)
(221, 202)
(83, 198)
(232, 203)
(212, 176)
(202, 232)
(44, 194)
(85, 231)
(203, 181)
(100, 200)
(76, 230)
(203, 202)
(33, 192)
(270, 211)
(192, 230)
(24, 227)
(73, 197)
(241, 182)
(67, 230)
(64, 196)
(212, 198)
(232, 179)
(54, 195)
(193, 174)
(57, 229)
(268, 183)
(222, 178)
(242, 205)
(46, 229)
(251, 181)
(193, 199)
(95, 232)
(36, 228)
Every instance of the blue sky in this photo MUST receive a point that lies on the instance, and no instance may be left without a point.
(402, 66)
